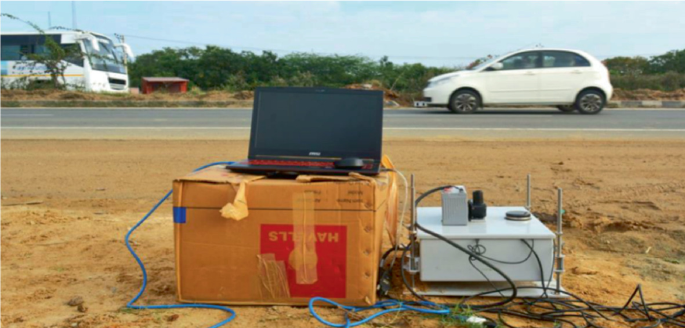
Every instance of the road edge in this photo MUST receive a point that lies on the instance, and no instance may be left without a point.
(52, 104)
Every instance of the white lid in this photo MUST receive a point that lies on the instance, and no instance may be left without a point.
(494, 226)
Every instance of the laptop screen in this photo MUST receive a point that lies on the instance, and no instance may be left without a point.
(316, 123)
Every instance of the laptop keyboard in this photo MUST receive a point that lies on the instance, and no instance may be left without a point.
(327, 165)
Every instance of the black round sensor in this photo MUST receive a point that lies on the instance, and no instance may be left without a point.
(518, 215)
(477, 207)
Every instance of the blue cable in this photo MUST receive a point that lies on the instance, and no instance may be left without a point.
(390, 305)
(142, 268)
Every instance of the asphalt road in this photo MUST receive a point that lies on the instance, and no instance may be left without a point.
(122, 123)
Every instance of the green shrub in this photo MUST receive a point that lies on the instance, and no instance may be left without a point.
(215, 68)
(665, 82)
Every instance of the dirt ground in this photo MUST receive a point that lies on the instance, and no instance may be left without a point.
(646, 94)
(48, 94)
(58, 98)
(66, 206)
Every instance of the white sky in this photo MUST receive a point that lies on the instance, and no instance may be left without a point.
(434, 33)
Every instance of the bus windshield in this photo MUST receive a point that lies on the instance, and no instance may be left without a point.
(107, 59)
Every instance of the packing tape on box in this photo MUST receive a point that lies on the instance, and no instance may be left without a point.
(303, 258)
(273, 277)
(391, 218)
(237, 210)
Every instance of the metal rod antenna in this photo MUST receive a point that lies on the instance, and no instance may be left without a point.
(528, 198)
(413, 204)
(412, 263)
(412, 268)
(123, 40)
(560, 243)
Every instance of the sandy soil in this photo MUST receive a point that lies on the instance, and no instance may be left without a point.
(48, 94)
(241, 99)
(646, 94)
(66, 206)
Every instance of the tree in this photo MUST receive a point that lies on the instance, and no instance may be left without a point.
(54, 57)
(627, 65)
(221, 68)
(672, 61)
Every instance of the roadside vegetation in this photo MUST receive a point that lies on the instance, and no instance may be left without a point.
(215, 68)
(664, 72)
(221, 74)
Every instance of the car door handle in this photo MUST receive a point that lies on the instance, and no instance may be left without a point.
(530, 73)
(576, 71)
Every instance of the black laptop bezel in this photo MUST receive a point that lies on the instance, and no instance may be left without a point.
(255, 153)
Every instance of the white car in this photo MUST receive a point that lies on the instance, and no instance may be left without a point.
(568, 79)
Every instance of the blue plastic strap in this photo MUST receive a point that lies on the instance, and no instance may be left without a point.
(179, 215)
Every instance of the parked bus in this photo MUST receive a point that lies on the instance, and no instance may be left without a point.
(99, 67)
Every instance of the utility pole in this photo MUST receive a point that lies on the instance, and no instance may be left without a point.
(73, 14)
(49, 20)
(123, 41)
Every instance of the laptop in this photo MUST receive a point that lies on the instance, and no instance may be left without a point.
(315, 131)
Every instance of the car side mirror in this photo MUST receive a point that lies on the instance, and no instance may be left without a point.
(497, 66)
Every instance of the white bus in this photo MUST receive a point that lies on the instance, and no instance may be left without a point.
(104, 71)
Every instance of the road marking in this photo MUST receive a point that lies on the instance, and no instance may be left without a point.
(386, 110)
(441, 115)
(125, 128)
(395, 128)
(537, 129)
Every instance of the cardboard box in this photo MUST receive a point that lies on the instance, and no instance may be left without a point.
(245, 239)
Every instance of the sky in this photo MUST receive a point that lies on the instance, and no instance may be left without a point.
(433, 33)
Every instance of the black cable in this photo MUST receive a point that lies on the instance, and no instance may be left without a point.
(561, 312)
(542, 272)
(385, 255)
(481, 249)
(478, 247)
(468, 252)
(384, 281)
(496, 269)
(404, 277)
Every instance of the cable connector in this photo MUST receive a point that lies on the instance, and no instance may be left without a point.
(412, 266)
(384, 283)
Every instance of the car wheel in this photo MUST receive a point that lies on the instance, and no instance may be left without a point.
(464, 101)
(590, 102)
(566, 108)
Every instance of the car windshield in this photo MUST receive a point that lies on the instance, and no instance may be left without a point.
(483, 64)
(106, 59)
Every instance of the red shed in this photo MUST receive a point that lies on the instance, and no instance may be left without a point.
(168, 84)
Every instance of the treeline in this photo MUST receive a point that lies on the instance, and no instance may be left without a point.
(663, 72)
(672, 61)
(215, 68)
